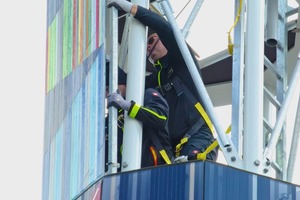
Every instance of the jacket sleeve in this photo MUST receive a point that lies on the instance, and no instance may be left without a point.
(155, 111)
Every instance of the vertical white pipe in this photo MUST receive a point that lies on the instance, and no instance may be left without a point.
(238, 80)
(254, 66)
(124, 43)
(294, 145)
(113, 84)
(136, 66)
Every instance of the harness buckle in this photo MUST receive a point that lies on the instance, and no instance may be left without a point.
(167, 87)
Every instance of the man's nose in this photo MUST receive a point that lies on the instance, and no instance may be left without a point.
(148, 47)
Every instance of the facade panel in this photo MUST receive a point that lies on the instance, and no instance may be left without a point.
(191, 180)
(74, 104)
(178, 181)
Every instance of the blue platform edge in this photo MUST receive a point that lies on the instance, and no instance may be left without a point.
(191, 180)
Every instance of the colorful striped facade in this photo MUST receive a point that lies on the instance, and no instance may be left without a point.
(74, 99)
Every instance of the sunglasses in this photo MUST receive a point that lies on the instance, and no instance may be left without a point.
(151, 40)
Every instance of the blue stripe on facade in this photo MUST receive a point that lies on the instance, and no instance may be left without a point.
(92, 122)
(58, 164)
(52, 170)
(83, 133)
(46, 174)
(101, 112)
(74, 149)
(67, 156)
(80, 142)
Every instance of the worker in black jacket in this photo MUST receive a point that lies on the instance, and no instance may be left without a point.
(190, 128)
(156, 144)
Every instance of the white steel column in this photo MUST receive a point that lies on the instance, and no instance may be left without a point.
(294, 145)
(254, 66)
(238, 80)
(113, 85)
(281, 85)
(136, 66)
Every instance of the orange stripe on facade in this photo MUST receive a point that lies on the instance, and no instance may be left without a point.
(74, 56)
(80, 30)
(97, 24)
(87, 28)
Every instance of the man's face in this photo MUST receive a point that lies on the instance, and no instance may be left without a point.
(155, 48)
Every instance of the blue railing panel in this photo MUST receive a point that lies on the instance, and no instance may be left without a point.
(191, 180)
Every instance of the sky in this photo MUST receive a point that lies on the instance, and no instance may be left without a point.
(22, 77)
(22, 89)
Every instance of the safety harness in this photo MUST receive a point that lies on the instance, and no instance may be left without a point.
(181, 88)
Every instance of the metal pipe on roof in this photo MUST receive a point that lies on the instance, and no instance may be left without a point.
(271, 25)
(214, 58)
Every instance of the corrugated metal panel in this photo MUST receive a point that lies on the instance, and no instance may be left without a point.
(224, 182)
(194, 180)
(179, 181)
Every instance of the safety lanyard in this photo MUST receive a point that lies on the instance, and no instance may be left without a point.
(200, 156)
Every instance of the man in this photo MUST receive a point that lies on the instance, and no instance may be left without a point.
(156, 145)
(190, 128)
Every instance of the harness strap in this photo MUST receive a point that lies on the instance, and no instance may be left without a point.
(181, 87)
(202, 156)
(188, 134)
(160, 148)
